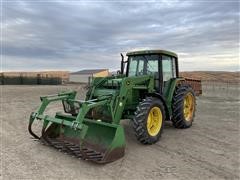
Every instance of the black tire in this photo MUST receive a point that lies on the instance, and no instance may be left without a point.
(179, 120)
(141, 117)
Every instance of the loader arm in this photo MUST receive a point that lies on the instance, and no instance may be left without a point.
(129, 83)
(121, 90)
(46, 100)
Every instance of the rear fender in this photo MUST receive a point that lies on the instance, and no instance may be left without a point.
(169, 92)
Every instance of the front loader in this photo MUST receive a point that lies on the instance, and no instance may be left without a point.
(147, 90)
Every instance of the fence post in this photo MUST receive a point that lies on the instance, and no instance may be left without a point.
(21, 79)
(2, 79)
(227, 87)
(38, 79)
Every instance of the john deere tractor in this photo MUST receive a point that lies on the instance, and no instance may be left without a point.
(147, 90)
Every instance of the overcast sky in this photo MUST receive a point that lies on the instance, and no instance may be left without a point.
(63, 35)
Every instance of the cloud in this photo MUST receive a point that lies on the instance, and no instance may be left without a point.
(76, 35)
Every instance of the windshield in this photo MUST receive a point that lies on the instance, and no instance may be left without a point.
(143, 65)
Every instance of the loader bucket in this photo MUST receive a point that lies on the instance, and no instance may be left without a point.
(97, 141)
(76, 133)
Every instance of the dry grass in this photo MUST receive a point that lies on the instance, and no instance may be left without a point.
(213, 76)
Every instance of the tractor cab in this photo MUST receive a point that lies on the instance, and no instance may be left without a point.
(163, 65)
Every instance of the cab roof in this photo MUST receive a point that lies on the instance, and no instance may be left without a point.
(157, 51)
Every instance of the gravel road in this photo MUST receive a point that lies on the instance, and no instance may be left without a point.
(209, 149)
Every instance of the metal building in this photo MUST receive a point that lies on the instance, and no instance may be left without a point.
(84, 75)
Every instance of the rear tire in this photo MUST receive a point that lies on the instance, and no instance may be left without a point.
(183, 106)
(148, 121)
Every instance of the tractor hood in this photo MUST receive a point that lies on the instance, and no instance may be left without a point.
(105, 86)
(108, 82)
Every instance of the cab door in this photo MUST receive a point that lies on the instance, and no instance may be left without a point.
(169, 71)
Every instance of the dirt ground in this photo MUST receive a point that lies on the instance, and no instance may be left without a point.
(208, 150)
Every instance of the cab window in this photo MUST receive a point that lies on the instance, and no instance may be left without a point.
(143, 65)
(168, 68)
(136, 66)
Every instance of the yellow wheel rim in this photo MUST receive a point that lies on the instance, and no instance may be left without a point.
(154, 121)
(188, 107)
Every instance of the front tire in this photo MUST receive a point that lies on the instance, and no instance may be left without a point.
(183, 106)
(148, 121)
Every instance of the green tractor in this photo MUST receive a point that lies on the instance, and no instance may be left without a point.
(147, 90)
